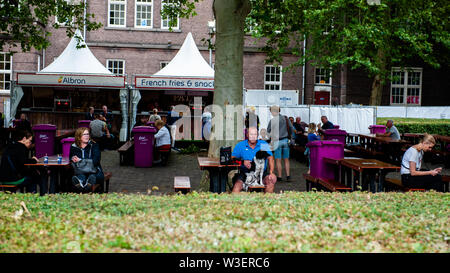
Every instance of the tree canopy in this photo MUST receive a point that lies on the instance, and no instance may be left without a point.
(26, 23)
(355, 33)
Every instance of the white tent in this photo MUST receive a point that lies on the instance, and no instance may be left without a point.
(76, 60)
(187, 63)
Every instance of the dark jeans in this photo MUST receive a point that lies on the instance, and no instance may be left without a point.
(30, 184)
(427, 182)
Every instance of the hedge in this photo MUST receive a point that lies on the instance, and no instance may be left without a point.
(416, 125)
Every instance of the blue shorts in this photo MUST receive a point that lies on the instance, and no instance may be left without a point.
(282, 149)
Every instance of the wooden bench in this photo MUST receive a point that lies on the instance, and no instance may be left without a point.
(256, 188)
(126, 153)
(398, 184)
(182, 184)
(9, 188)
(332, 185)
(310, 180)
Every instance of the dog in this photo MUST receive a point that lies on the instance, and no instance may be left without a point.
(255, 176)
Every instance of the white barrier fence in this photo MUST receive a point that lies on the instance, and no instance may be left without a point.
(353, 119)
(350, 119)
(434, 112)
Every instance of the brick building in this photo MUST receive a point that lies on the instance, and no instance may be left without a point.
(135, 40)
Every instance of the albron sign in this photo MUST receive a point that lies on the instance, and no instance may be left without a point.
(71, 80)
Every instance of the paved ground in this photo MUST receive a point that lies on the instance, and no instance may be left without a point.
(132, 180)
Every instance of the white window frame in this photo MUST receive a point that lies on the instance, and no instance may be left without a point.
(280, 83)
(177, 27)
(330, 78)
(405, 85)
(117, 2)
(115, 60)
(7, 71)
(136, 3)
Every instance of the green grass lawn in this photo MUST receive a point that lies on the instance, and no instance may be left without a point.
(205, 222)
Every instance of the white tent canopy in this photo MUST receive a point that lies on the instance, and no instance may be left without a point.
(75, 60)
(187, 63)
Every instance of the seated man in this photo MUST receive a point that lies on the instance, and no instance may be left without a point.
(99, 131)
(246, 151)
(391, 131)
(326, 125)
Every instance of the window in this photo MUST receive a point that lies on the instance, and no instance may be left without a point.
(272, 77)
(117, 12)
(144, 14)
(116, 66)
(165, 21)
(406, 86)
(163, 64)
(323, 76)
(5, 71)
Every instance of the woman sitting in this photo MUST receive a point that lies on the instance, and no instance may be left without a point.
(162, 140)
(85, 149)
(412, 175)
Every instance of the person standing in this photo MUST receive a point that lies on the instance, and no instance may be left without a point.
(281, 131)
(108, 117)
(391, 131)
(154, 117)
(90, 114)
(23, 123)
(412, 175)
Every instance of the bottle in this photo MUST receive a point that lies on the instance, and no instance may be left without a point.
(59, 159)
(45, 159)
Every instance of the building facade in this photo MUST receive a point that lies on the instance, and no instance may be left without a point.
(136, 40)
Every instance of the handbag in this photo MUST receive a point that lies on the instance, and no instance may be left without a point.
(85, 165)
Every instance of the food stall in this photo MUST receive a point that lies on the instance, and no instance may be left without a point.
(62, 92)
(186, 77)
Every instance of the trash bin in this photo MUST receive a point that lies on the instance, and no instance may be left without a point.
(151, 123)
(66, 143)
(320, 149)
(377, 129)
(335, 135)
(84, 123)
(143, 146)
(44, 135)
(336, 126)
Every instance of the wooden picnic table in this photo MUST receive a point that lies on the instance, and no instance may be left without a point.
(368, 166)
(218, 173)
(383, 147)
(56, 168)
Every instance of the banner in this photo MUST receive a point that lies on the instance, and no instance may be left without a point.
(167, 83)
(71, 80)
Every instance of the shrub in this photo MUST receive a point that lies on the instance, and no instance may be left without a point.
(416, 125)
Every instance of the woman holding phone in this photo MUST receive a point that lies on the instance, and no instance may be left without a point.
(412, 175)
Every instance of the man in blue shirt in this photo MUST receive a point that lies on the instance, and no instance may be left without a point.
(246, 151)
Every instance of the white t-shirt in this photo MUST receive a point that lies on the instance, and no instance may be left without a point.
(411, 155)
(162, 137)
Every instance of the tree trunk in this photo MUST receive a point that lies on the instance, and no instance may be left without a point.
(228, 79)
(377, 88)
(377, 83)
